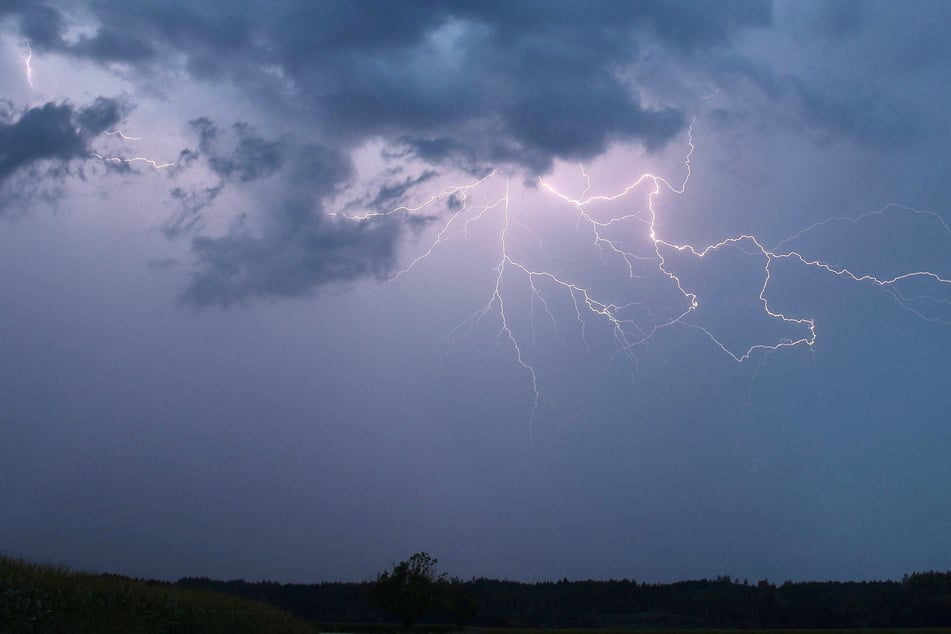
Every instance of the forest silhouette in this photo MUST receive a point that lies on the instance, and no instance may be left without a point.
(918, 600)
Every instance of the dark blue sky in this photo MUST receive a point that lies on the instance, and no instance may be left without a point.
(294, 290)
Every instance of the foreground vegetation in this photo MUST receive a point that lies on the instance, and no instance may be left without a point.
(41, 598)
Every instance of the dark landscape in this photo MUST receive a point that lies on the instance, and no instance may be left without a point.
(39, 598)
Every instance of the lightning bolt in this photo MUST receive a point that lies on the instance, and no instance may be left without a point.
(122, 135)
(497, 301)
(29, 68)
(128, 160)
(134, 159)
(630, 333)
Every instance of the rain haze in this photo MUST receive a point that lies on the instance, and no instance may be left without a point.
(645, 290)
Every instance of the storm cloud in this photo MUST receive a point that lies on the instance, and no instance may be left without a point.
(297, 246)
(55, 133)
(524, 83)
(292, 262)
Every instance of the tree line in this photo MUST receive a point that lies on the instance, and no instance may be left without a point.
(412, 591)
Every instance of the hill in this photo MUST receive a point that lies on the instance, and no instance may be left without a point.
(43, 598)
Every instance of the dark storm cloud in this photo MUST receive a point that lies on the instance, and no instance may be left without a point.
(43, 25)
(542, 78)
(253, 157)
(238, 154)
(56, 132)
(46, 132)
(102, 115)
(436, 150)
(38, 147)
(109, 46)
(470, 74)
(299, 247)
(291, 263)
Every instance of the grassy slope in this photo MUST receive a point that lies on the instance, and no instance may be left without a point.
(40, 598)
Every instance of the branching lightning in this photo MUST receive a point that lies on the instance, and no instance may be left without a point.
(628, 333)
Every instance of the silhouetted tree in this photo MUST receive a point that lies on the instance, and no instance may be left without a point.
(411, 589)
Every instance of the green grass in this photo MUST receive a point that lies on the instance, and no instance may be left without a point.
(41, 598)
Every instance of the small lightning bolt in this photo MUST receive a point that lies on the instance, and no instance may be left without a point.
(135, 159)
(122, 135)
(29, 68)
(128, 160)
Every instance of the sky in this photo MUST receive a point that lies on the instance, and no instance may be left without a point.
(644, 290)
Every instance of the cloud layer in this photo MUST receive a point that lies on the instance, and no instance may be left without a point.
(522, 83)
(42, 141)
(54, 132)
